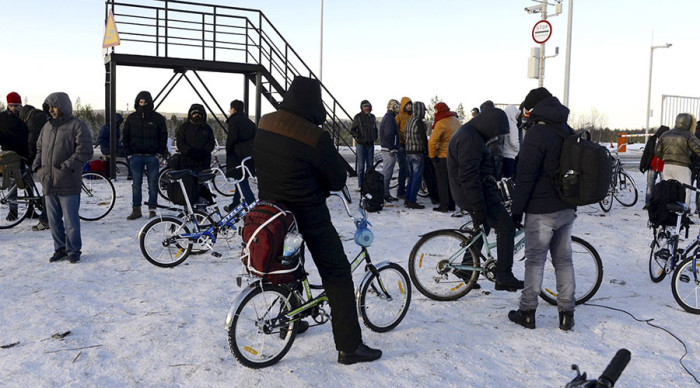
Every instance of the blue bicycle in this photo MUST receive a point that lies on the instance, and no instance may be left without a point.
(167, 241)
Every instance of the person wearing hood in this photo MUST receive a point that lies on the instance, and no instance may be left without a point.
(298, 166)
(401, 119)
(496, 145)
(416, 148)
(444, 126)
(364, 130)
(651, 164)
(195, 140)
(63, 147)
(389, 139)
(511, 146)
(35, 119)
(103, 136)
(675, 148)
(239, 145)
(144, 137)
(549, 220)
(471, 172)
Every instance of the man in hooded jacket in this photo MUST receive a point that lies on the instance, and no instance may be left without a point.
(298, 166)
(63, 147)
(195, 140)
(364, 130)
(473, 185)
(145, 136)
(239, 145)
(402, 118)
(675, 148)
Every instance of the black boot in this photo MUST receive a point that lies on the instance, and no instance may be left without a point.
(363, 353)
(566, 320)
(524, 318)
(508, 282)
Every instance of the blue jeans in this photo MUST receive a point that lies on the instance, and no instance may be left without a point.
(401, 158)
(416, 165)
(551, 233)
(651, 181)
(365, 161)
(63, 209)
(389, 160)
(247, 194)
(137, 164)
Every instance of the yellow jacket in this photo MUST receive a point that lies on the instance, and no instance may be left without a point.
(402, 118)
(440, 138)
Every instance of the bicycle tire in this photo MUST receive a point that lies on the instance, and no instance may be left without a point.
(163, 184)
(121, 170)
(159, 243)
(20, 201)
(97, 197)
(606, 203)
(686, 285)
(588, 270)
(660, 253)
(429, 270)
(382, 312)
(255, 339)
(626, 192)
(221, 183)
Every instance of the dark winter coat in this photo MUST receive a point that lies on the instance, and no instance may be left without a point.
(144, 130)
(195, 141)
(535, 191)
(364, 128)
(389, 132)
(295, 160)
(64, 146)
(675, 146)
(35, 120)
(470, 164)
(415, 131)
(650, 149)
(239, 144)
(14, 135)
(103, 136)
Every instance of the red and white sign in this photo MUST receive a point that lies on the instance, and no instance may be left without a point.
(542, 31)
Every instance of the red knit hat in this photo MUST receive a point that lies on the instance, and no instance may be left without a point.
(14, 98)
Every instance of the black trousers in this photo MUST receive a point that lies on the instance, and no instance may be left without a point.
(497, 217)
(431, 180)
(328, 254)
(446, 201)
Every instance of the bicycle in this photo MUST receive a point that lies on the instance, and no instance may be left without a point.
(263, 320)
(97, 198)
(666, 257)
(609, 376)
(167, 241)
(622, 187)
(223, 185)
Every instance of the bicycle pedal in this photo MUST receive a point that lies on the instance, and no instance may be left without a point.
(216, 254)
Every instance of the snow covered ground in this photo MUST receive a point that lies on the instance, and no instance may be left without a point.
(132, 323)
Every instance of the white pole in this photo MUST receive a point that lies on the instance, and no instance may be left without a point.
(320, 65)
(540, 82)
(651, 63)
(567, 66)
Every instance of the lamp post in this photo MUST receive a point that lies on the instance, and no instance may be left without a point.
(567, 66)
(320, 64)
(651, 62)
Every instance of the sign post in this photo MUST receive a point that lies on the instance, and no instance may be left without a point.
(111, 37)
(542, 31)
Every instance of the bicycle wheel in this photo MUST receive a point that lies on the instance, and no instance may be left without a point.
(121, 170)
(163, 184)
(606, 203)
(96, 198)
(161, 243)
(256, 336)
(221, 183)
(14, 205)
(588, 270)
(429, 265)
(660, 253)
(384, 299)
(686, 285)
(626, 192)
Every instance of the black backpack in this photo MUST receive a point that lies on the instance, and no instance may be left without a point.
(665, 192)
(585, 170)
(373, 184)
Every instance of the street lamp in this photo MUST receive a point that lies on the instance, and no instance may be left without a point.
(651, 62)
(320, 61)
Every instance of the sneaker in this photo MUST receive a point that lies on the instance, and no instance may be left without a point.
(415, 205)
(440, 209)
(363, 353)
(41, 226)
(389, 198)
(524, 318)
(58, 255)
(566, 320)
(74, 258)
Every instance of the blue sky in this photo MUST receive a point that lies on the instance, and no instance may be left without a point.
(462, 51)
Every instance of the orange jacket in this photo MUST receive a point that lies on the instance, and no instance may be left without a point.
(440, 138)
(402, 118)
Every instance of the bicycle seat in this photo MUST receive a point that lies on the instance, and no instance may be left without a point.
(677, 207)
(179, 174)
(206, 175)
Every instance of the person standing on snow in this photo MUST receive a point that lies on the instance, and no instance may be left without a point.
(444, 126)
(401, 119)
(364, 130)
(548, 220)
(195, 140)
(416, 148)
(675, 148)
(35, 119)
(239, 145)
(14, 137)
(389, 135)
(496, 145)
(298, 165)
(650, 164)
(63, 147)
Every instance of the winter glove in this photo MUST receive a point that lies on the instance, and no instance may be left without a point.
(517, 221)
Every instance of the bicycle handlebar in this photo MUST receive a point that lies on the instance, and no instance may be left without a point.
(615, 368)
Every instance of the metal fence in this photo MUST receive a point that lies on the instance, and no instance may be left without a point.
(671, 106)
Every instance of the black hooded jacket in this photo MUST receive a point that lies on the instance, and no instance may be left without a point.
(144, 130)
(13, 134)
(470, 165)
(650, 148)
(295, 160)
(195, 141)
(364, 127)
(535, 190)
(35, 120)
(239, 143)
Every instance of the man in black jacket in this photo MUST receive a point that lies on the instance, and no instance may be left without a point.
(239, 145)
(473, 185)
(549, 219)
(649, 163)
(35, 120)
(144, 137)
(297, 165)
(364, 130)
(195, 140)
(13, 132)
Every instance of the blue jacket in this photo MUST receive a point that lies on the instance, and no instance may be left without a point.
(389, 132)
(103, 136)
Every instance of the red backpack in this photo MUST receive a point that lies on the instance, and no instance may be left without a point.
(264, 229)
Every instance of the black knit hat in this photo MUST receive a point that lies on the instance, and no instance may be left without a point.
(238, 105)
(535, 96)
